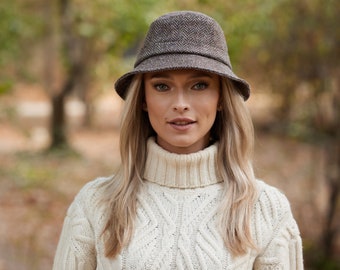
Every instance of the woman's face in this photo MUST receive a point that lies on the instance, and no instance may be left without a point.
(182, 106)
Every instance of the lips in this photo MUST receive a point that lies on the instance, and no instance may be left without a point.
(181, 123)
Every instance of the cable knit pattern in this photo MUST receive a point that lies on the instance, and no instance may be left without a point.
(176, 230)
(176, 222)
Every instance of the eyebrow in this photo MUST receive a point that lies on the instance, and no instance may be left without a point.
(164, 74)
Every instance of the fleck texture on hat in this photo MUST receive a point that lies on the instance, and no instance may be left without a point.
(184, 40)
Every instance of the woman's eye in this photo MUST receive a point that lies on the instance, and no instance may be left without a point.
(161, 87)
(200, 86)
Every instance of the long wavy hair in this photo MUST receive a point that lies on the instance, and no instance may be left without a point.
(233, 129)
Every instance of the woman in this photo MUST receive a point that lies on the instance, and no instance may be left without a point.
(185, 196)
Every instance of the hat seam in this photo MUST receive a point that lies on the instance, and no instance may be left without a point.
(184, 53)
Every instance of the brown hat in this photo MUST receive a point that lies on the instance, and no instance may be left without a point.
(184, 40)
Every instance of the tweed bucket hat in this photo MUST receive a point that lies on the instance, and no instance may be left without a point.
(184, 40)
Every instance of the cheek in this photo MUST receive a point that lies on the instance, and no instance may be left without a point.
(151, 100)
(154, 108)
(150, 104)
(209, 106)
(209, 112)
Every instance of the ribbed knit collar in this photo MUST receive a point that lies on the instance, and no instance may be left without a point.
(181, 170)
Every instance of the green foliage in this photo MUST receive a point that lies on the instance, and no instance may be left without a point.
(296, 54)
(243, 22)
(5, 86)
(18, 30)
(11, 28)
(10, 32)
(33, 170)
(287, 44)
(115, 28)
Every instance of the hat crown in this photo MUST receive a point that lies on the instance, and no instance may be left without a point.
(184, 40)
(185, 32)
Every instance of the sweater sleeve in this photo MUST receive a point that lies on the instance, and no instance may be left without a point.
(284, 248)
(76, 247)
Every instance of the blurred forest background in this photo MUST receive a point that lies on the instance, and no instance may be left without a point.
(59, 115)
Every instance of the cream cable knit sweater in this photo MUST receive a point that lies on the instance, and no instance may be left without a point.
(176, 222)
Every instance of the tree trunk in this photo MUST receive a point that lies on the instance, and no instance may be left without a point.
(75, 69)
(58, 123)
(331, 228)
(58, 133)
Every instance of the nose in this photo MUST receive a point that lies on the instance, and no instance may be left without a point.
(181, 102)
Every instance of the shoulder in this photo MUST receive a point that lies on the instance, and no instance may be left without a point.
(90, 194)
(81, 229)
(271, 211)
(93, 186)
(275, 230)
(272, 199)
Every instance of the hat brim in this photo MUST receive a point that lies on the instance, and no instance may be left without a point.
(182, 61)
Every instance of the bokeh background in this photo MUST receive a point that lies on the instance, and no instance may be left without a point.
(59, 114)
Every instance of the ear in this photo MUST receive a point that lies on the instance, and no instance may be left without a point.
(219, 106)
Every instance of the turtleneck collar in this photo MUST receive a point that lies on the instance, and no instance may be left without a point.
(181, 170)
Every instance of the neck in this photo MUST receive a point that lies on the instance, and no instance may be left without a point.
(181, 170)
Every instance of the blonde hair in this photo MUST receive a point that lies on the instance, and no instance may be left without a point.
(232, 128)
(236, 142)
